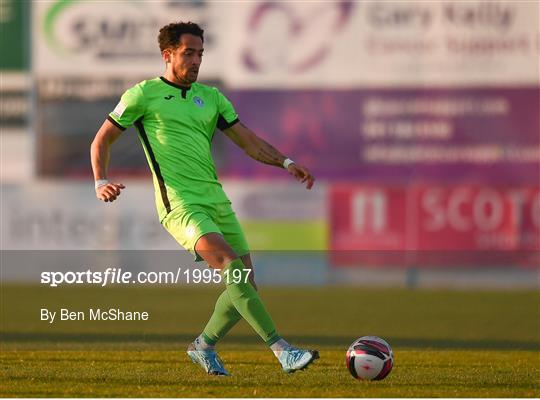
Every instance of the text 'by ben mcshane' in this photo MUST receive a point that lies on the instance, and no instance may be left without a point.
(93, 314)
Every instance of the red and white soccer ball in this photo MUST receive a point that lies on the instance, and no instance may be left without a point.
(370, 358)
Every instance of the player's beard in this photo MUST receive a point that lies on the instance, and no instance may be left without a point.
(186, 78)
(192, 76)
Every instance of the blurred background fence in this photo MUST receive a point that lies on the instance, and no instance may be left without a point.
(421, 121)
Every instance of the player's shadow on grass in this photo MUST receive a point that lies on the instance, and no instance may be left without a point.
(180, 340)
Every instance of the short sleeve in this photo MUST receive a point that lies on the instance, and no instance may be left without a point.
(129, 109)
(227, 114)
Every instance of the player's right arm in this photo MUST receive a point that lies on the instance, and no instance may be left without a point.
(127, 111)
(99, 155)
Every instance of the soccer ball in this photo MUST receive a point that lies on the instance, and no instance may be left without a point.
(370, 358)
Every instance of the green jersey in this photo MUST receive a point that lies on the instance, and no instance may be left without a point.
(176, 126)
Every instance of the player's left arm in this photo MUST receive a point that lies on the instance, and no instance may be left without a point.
(264, 152)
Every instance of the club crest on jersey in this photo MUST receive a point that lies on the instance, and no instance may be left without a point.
(198, 101)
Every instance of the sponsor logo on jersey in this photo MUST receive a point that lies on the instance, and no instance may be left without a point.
(168, 97)
(198, 101)
(119, 109)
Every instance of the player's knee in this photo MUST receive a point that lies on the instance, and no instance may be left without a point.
(215, 250)
(224, 256)
(224, 259)
(215, 259)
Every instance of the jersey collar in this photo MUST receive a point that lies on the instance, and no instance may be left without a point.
(184, 89)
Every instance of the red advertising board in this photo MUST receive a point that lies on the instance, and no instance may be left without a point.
(435, 225)
(368, 218)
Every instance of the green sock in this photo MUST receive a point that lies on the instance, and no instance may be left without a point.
(247, 302)
(222, 320)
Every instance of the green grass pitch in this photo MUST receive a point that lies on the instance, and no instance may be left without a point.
(446, 343)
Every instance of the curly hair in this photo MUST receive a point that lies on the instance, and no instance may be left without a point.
(169, 35)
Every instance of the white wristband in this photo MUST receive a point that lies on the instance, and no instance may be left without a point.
(287, 162)
(101, 182)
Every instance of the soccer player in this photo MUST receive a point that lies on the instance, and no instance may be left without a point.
(176, 118)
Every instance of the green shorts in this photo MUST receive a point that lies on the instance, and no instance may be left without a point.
(188, 224)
